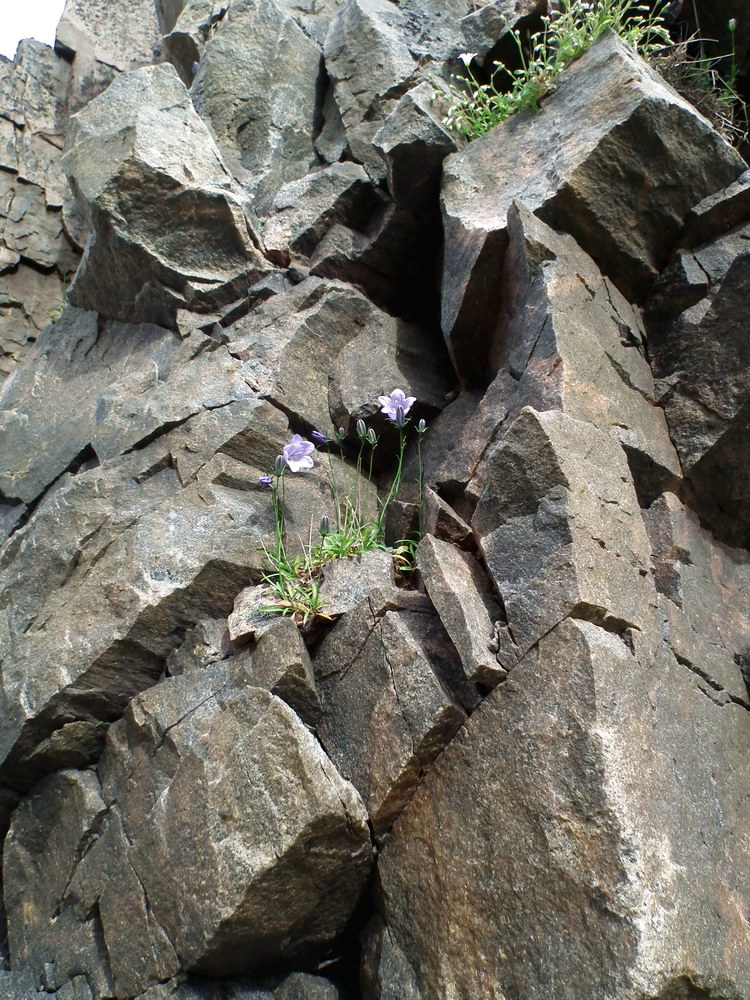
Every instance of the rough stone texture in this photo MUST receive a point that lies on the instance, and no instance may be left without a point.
(490, 24)
(305, 209)
(388, 354)
(165, 214)
(366, 56)
(629, 884)
(567, 339)
(203, 645)
(102, 38)
(218, 853)
(701, 357)
(466, 606)
(347, 582)
(387, 711)
(608, 108)
(281, 664)
(413, 142)
(560, 531)
(718, 213)
(198, 20)
(36, 254)
(258, 87)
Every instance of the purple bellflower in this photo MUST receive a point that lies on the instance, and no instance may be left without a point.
(298, 454)
(319, 437)
(265, 480)
(390, 405)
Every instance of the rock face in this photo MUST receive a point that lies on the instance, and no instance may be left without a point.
(581, 757)
(166, 168)
(608, 109)
(266, 136)
(507, 758)
(237, 806)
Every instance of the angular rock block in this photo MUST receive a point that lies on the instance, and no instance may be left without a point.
(413, 142)
(166, 216)
(466, 607)
(560, 530)
(102, 39)
(366, 56)
(305, 209)
(348, 582)
(223, 841)
(192, 29)
(604, 160)
(117, 562)
(698, 342)
(568, 340)
(564, 845)
(383, 676)
(258, 89)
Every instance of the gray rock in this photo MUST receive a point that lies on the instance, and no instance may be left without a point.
(492, 22)
(568, 340)
(560, 531)
(393, 261)
(302, 986)
(609, 107)
(218, 853)
(386, 712)
(388, 354)
(165, 204)
(564, 839)
(101, 39)
(248, 619)
(16, 985)
(206, 643)
(304, 210)
(348, 582)
(281, 664)
(442, 521)
(717, 214)
(197, 22)
(413, 142)
(257, 87)
(465, 604)
(700, 352)
(125, 558)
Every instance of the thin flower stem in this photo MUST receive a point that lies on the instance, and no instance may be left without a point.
(395, 484)
(420, 485)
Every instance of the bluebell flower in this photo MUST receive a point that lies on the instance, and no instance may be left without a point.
(319, 437)
(390, 404)
(265, 480)
(298, 454)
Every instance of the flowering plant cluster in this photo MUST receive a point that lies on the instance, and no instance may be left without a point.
(295, 580)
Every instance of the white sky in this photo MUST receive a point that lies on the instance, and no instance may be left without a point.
(28, 19)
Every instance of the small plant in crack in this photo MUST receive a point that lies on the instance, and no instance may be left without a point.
(294, 581)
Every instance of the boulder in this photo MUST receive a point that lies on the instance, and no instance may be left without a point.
(490, 24)
(564, 840)
(185, 42)
(367, 57)
(716, 215)
(305, 209)
(102, 38)
(700, 351)
(258, 89)
(608, 108)
(220, 854)
(348, 582)
(166, 216)
(206, 643)
(100, 584)
(281, 664)
(465, 604)
(389, 354)
(413, 142)
(384, 674)
(560, 530)
(568, 340)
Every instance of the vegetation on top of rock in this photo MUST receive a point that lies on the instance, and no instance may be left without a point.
(564, 37)
(295, 580)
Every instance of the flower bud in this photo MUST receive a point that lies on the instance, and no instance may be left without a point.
(265, 480)
(324, 527)
(319, 437)
(421, 426)
(372, 437)
(341, 433)
(279, 465)
(732, 24)
(361, 429)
